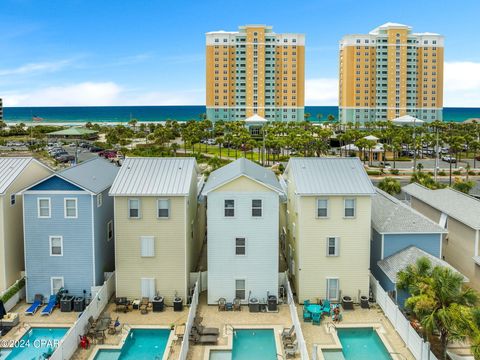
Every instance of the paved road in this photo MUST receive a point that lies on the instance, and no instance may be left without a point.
(430, 164)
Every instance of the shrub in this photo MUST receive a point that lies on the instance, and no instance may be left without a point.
(373, 172)
(471, 172)
(442, 173)
(394, 171)
(457, 172)
(12, 290)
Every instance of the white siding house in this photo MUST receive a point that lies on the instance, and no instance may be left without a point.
(243, 201)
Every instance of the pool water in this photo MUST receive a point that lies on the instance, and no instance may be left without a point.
(333, 355)
(141, 344)
(249, 344)
(35, 343)
(362, 344)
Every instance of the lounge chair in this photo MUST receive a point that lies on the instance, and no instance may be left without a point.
(144, 305)
(288, 332)
(202, 330)
(222, 303)
(316, 319)
(291, 350)
(37, 303)
(307, 316)
(52, 301)
(237, 305)
(326, 307)
(203, 339)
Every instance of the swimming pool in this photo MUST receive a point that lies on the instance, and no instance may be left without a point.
(358, 344)
(35, 343)
(249, 344)
(141, 344)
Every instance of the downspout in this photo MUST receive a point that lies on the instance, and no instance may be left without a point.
(477, 238)
(93, 240)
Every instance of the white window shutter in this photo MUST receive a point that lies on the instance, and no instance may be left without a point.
(147, 244)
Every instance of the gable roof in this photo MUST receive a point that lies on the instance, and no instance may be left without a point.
(238, 168)
(390, 215)
(93, 175)
(395, 263)
(329, 176)
(456, 204)
(10, 168)
(154, 176)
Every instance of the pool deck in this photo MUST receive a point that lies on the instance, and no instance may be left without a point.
(324, 336)
(224, 320)
(134, 319)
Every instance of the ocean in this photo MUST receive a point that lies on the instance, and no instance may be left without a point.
(80, 114)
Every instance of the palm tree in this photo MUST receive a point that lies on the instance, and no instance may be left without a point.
(390, 185)
(438, 299)
(307, 116)
(319, 116)
(133, 123)
(174, 146)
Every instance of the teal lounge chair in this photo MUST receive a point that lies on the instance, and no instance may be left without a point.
(37, 303)
(326, 307)
(307, 316)
(47, 310)
(316, 319)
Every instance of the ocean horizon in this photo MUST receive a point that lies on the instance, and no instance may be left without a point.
(83, 114)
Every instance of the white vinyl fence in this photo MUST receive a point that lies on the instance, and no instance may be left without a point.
(188, 326)
(70, 341)
(302, 346)
(419, 348)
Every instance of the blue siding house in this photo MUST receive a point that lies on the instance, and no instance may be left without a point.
(400, 235)
(68, 227)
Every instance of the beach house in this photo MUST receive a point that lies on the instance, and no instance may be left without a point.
(156, 242)
(243, 206)
(400, 236)
(68, 221)
(16, 173)
(459, 214)
(328, 227)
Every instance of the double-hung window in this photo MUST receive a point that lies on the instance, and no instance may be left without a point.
(333, 246)
(257, 208)
(163, 208)
(229, 208)
(56, 246)
(134, 208)
(350, 210)
(70, 208)
(322, 208)
(240, 289)
(240, 246)
(44, 208)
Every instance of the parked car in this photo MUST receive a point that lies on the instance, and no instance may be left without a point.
(95, 149)
(65, 158)
(108, 154)
(449, 159)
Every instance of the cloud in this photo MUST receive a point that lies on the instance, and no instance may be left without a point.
(321, 91)
(462, 84)
(36, 68)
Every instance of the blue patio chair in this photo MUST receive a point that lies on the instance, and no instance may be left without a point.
(326, 307)
(307, 316)
(37, 303)
(316, 319)
(52, 301)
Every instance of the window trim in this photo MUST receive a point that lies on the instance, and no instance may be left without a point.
(336, 246)
(244, 246)
(244, 287)
(129, 208)
(225, 208)
(65, 208)
(168, 208)
(51, 283)
(354, 208)
(49, 208)
(50, 244)
(256, 208)
(110, 223)
(327, 292)
(317, 207)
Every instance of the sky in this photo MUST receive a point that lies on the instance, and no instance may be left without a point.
(138, 52)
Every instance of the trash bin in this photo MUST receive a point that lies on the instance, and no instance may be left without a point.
(66, 303)
(254, 305)
(79, 304)
(272, 303)
(178, 304)
(364, 302)
(157, 304)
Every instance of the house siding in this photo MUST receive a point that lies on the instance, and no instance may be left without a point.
(11, 235)
(259, 267)
(429, 243)
(76, 264)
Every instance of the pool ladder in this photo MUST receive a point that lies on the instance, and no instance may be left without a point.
(227, 328)
(330, 325)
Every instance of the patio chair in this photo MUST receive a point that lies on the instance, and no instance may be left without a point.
(222, 303)
(37, 303)
(237, 305)
(326, 307)
(291, 349)
(307, 316)
(306, 303)
(144, 305)
(112, 327)
(202, 330)
(291, 340)
(99, 337)
(316, 319)
(288, 332)
(52, 301)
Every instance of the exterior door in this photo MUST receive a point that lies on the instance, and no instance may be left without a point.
(332, 289)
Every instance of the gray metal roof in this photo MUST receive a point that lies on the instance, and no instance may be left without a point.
(94, 175)
(456, 204)
(390, 215)
(330, 176)
(154, 176)
(10, 168)
(400, 260)
(238, 168)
